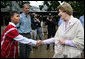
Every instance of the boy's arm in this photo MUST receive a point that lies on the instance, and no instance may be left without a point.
(25, 40)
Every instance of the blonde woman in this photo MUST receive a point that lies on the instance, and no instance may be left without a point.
(69, 38)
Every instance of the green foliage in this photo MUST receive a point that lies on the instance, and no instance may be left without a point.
(78, 6)
(4, 4)
(52, 5)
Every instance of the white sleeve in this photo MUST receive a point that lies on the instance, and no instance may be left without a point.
(48, 41)
(25, 40)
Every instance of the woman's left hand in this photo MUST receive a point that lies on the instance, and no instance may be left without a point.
(62, 41)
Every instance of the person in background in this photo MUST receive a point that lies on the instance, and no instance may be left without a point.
(34, 27)
(51, 23)
(82, 20)
(24, 28)
(39, 29)
(11, 37)
(60, 22)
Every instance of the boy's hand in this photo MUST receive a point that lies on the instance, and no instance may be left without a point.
(39, 42)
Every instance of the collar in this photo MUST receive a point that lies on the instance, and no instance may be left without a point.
(72, 20)
(11, 23)
(25, 15)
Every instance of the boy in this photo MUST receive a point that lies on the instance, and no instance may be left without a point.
(11, 37)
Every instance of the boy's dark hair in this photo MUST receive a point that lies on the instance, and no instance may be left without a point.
(13, 12)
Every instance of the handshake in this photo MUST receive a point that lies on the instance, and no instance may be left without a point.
(39, 42)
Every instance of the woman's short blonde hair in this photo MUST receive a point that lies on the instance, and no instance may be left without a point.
(65, 7)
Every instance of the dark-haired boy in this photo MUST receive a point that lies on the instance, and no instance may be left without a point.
(11, 37)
